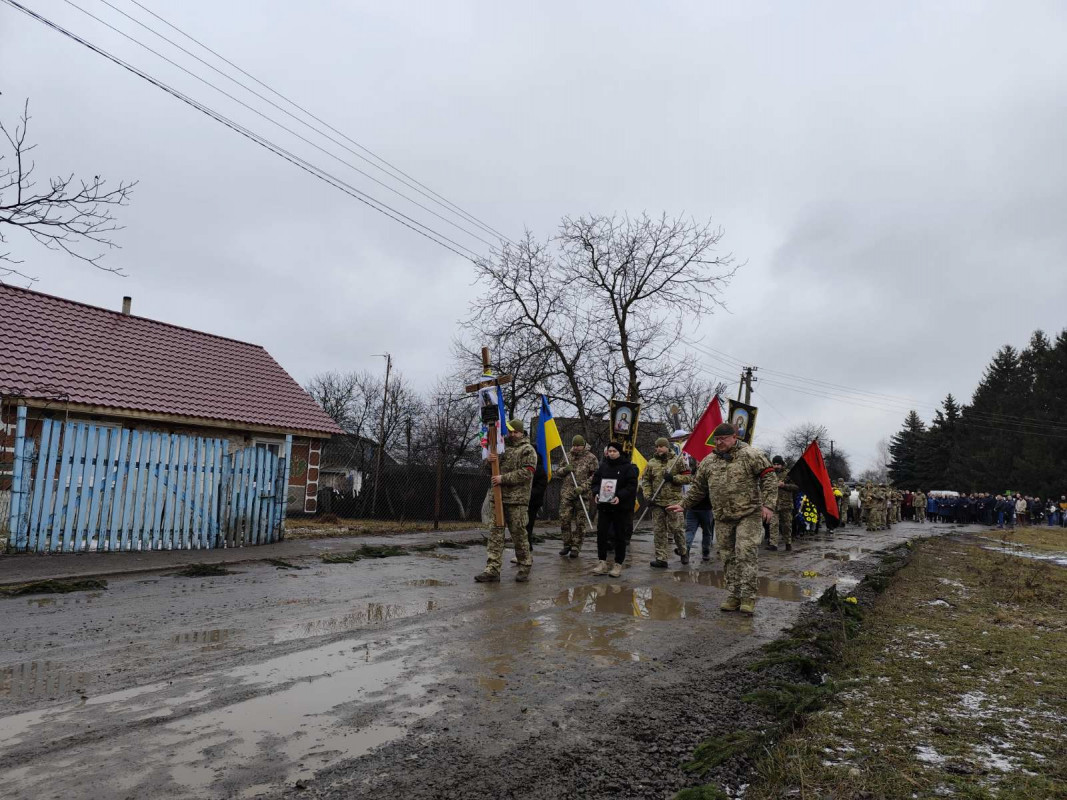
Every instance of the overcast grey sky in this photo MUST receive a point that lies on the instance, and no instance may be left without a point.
(894, 174)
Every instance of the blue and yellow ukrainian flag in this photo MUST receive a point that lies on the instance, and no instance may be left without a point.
(547, 436)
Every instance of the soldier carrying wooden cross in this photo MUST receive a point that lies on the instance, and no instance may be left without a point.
(512, 478)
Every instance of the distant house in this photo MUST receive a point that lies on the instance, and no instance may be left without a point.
(135, 380)
(346, 462)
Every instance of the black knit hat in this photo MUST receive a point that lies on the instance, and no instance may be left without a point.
(616, 445)
(724, 429)
(778, 460)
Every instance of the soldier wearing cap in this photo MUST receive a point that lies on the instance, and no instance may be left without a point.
(782, 521)
(662, 483)
(571, 511)
(744, 492)
(517, 465)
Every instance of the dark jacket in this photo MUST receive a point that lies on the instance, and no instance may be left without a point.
(540, 480)
(625, 474)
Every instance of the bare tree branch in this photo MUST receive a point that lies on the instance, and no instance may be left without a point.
(70, 215)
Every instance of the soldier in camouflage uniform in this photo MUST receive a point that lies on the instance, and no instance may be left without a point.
(744, 492)
(666, 474)
(875, 508)
(582, 466)
(517, 465)
(918, 502)
(842, 502)
(782, 521)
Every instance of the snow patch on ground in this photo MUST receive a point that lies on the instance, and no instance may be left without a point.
(929, 755)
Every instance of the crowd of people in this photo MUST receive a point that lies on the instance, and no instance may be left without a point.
(1002, 510)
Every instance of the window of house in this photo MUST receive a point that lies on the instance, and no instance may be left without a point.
(274, 446)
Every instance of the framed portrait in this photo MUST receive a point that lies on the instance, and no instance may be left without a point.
(623, 418)
(742, 417)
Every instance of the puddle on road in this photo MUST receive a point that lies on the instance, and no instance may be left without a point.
(213, 639)
(428, 582)
(40, 679)
(640, 602)
(571, 632)
(41, 602)
(765, 587)
(311, 709)
(361, 618)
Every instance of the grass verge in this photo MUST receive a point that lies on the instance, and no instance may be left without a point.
(954, 685)
(55, 587)
(203, 571)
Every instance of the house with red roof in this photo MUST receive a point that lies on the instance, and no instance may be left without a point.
(61, 359)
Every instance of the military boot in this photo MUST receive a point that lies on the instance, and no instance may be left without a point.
(574, 552)
(748, 606)
(566, 549)
(658, 564)
(487, 577)
(770, 546)
(601, 568)
(522, 577)
(730, 604)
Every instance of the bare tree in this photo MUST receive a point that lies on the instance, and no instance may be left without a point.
(883, 457)
(354, 400)
(691, 398)
(72, 215)
(797, 439)
(337, 393)
(529, 307)
(644, 277)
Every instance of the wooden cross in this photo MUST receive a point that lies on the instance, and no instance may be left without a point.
(494, 460)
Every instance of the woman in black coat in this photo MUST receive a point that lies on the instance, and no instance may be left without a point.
(614, 486)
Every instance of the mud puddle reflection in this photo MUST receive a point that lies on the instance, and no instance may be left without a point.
(765, 587)
(41, 679)
(640, 602)
(364, 617)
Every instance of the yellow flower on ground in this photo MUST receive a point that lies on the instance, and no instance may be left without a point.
(852, 600)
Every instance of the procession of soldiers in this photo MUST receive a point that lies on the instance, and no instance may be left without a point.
(736, 495)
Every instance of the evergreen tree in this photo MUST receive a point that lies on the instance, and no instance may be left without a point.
(1040, 463)
(991, 428)
(937, 467)
(905, 449)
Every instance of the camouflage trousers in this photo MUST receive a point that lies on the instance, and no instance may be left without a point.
(842, 512)
(515, 517)
(571, 514)
(782, 527)
(667, 525)
(920, 513)
(875, 519)
(738, 543)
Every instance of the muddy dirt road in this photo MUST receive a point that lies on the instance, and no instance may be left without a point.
(365, 679)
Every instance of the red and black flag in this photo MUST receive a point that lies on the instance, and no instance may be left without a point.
(810, 475)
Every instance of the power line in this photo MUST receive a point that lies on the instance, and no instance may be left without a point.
(462, 214)
(439, 198)
(265, 116)
(337, 183)
(874, 400)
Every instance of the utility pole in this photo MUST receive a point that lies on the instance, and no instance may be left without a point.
(381, 433)
(746, 384)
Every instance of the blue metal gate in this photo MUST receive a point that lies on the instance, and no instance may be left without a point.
(82, 487)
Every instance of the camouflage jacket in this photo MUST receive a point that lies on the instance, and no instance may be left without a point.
(918, 500)
(738, 484)
(672, 472)
(786, 492)
(517, 465)
(583, 468)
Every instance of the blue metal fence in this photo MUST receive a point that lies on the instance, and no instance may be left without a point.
(82, 487)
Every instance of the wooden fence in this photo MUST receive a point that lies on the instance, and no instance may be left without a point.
(84, 487)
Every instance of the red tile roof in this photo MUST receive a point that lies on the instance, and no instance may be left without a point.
(50, 346)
